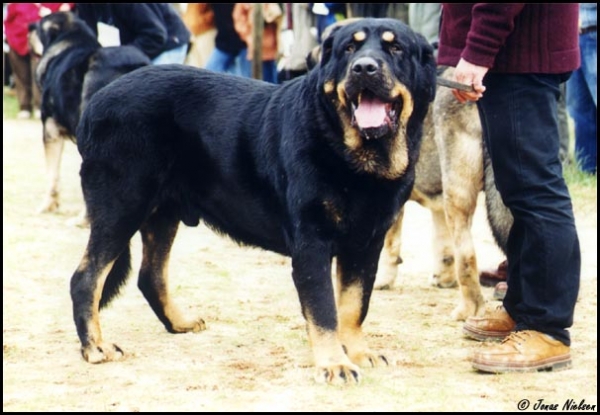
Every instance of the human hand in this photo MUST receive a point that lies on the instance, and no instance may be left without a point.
(469, 74)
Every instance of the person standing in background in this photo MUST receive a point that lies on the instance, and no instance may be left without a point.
(301, 21)
(199, 18)
(154, 28)
(424, 18)
(243, 23)
(230, 49)
(582, 90)
(16, 27)
(515, 56)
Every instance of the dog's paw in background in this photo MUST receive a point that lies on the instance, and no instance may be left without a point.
(50, 204)
(79, 221)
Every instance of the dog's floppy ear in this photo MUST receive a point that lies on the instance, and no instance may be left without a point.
(321, 53)
(425, 59)
(312, 59)
(326, 48)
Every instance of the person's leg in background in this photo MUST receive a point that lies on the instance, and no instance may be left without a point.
(23, 81)
(219, 61)
(543, 247)
(582, 104)
(175, 55)
(243, 64)
(519, 119)
(270, 71)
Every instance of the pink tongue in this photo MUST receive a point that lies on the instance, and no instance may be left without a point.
(370, 113)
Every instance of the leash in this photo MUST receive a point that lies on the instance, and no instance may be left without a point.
(454, 85)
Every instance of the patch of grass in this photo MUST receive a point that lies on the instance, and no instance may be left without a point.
(10, 106)
(582, 186)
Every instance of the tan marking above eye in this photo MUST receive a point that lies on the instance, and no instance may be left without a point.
(328, 87)
(388, 36)
(360, 36)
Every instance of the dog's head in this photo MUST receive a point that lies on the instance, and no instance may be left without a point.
(53, 27)
(380, 77)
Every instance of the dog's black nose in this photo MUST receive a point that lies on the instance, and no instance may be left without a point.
(365, 66)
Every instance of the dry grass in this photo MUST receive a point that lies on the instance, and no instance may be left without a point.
(254, 355)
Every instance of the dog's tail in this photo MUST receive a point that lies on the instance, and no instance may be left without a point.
(116, 277)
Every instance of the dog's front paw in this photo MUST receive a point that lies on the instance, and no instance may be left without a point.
(340, 374)
(443, 281)
(79, 221)
(103, 352)
(49, 205)
(386, 277)
(466, 309)
(368, 359)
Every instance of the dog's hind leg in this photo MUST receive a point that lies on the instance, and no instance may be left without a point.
(462, 182)
(54, 141)
(390, 258)
(158, 234)
(101, 272)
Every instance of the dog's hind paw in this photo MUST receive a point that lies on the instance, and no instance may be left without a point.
(99, 353)
(338, 374)
(185, 326)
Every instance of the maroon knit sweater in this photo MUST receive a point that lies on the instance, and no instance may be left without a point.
(511, 37)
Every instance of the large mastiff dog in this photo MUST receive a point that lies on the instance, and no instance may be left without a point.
(316, 168)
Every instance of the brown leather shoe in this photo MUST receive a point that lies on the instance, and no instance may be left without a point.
(493, 326)
(523, 351)
(500, 290)
(489, 278)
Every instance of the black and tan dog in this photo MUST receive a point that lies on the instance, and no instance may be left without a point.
(72, 67)
(314, 169)
(453, 168)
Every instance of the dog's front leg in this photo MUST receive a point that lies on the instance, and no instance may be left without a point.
(311, 265)
(355, 274)
(53, 149)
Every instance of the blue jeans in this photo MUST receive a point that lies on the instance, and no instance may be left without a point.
(269, 70)
(176, 55)
(224, 62)
(520, 128)
(582, 103)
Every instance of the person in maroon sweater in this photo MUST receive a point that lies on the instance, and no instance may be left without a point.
(516, 55)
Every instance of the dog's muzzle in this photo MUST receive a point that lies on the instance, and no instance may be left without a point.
(372, 113)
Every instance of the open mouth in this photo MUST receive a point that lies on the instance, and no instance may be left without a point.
(373, 117)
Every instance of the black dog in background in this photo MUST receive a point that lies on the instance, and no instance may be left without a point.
(316, 169)
(73, 66)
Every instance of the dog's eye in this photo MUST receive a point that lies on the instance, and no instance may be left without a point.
(350, 48)
(395, 49)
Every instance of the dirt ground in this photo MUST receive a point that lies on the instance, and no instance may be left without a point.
(254, 356)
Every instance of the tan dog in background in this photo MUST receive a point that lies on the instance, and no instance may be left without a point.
(452, 169)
